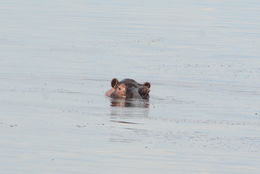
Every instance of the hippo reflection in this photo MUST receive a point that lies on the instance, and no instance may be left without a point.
(129, 103)
(125, 92)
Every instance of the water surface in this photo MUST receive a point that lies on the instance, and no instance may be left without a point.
(57, 59)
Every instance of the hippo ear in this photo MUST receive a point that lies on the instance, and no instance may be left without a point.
(114, 82)
(147, 84)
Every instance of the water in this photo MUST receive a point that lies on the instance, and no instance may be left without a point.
(57, 59)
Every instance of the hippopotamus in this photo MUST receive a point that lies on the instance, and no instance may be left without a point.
(128, 89)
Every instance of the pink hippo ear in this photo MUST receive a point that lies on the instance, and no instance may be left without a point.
(147, 84)
(114, 83)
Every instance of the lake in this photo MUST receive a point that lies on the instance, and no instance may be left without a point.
(58, 58)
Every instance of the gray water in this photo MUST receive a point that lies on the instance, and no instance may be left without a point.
(57, 59)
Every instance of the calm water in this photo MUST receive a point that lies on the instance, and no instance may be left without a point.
(57, 59)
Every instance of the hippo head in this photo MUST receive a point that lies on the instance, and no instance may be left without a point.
(129, 88)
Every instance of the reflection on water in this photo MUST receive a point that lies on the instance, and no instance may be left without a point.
(129, 108)
(130, 103)
(127, 116)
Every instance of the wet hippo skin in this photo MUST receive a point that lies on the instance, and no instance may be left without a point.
(129, 89)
